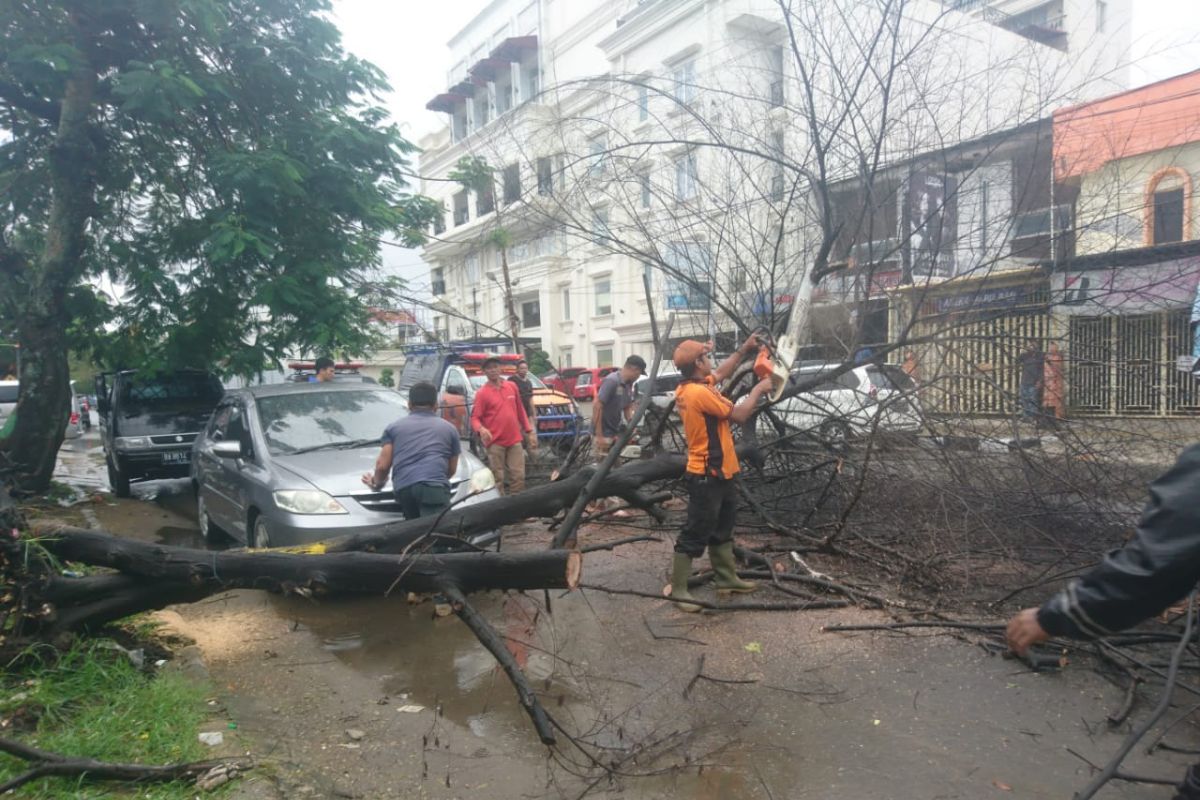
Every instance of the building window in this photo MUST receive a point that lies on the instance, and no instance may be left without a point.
(531, 314)
(596, 149)
(461, 212)
(600, 230)
(1168, 216)
(775, 90)
(684, 77)
(566, 303)
(603, 291)
(512, 183)
(644, 180)
(1168, 207)
(545, 176)
(437, 281)
(1101, 15)
(686, 177)
(439, 221)
(643, 103)
(485, 201)
(604, 356)
(689, 275)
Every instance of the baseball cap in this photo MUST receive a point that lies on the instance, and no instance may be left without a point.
(688, 351)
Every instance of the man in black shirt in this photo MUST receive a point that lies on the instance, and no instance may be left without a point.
(524, 386)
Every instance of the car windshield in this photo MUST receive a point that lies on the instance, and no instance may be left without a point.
(314, 420)
(169, 392)
(8, 394)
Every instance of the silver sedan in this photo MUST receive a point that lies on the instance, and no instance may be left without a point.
(281, 464)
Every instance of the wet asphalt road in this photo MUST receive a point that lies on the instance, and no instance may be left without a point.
(815, 715)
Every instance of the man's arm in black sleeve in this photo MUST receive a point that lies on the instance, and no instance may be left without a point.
(1157, 567)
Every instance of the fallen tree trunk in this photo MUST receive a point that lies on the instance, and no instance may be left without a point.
(334, 573)
(540, 501)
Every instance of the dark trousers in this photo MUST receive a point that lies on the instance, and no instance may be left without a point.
(711, 514)
(425, 499)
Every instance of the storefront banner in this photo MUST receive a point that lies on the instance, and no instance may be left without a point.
(1127, 290)
(931, 225)
(982, 299)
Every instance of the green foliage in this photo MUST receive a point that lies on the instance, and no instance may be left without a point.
(243, 176)
(539, 361)
(387, 377)
(92, 702)
(474, 174)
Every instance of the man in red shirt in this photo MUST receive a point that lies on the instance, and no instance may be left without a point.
(500, 420)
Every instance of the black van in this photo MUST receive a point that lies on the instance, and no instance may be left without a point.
(149, 421)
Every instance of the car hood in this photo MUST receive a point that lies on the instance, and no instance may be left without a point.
(339, 472)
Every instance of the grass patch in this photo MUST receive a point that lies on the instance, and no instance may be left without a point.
(92, 702)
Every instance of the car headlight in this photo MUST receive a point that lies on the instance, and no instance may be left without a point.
(482, 480)
(132, 442)
(308, 501)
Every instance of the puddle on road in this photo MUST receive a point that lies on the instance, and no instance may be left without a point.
(422, 660)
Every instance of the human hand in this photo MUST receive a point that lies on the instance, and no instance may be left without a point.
(486, 437)
(752, 343)
(763, 386)
(531, 439)
(1024, 631)
(368, 479)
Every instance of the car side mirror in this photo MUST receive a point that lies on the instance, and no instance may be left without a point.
(227, 449)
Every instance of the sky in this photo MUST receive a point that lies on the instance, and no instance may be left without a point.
(407, 40)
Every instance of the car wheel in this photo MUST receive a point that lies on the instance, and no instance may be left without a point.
(835, 432)
(260, 536)
(208, 528)
(118, 480)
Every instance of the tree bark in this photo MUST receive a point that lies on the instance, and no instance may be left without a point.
(164, 566)
(41, 314)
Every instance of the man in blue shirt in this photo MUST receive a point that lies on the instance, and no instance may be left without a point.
(421, 450)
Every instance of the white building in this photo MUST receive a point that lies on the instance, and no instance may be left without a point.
(688, 141)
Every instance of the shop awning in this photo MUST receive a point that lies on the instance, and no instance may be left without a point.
(514, 48)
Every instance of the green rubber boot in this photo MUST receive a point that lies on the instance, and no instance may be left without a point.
(721, 558)
(681, 570)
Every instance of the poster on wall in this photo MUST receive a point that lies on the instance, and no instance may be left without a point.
(1128, 290)
(929, 215)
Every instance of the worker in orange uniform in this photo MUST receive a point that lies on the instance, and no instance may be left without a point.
(711, 466)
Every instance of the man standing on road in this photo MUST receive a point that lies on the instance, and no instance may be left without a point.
(421, 452)
(614, 403)
(324, 370)
(524, 386)
(1032, 363)
(500, 420)
(711, 466)
(1156, 568)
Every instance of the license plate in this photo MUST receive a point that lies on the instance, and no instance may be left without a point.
(182, 457)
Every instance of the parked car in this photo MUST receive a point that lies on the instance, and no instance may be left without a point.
(9, 392)
(663, 392)
(587, 383)
(75, 426)
(281, 464)
(866, 398)
(150, 420)
(459, 373)
(563, 380)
